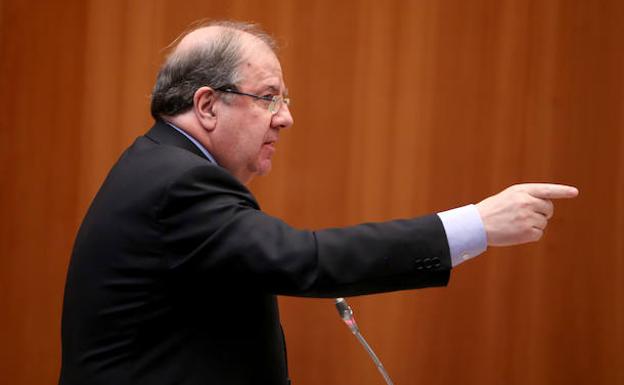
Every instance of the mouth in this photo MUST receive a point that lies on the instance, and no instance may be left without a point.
(269, 146)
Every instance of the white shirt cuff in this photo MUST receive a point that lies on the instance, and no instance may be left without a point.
(465, 233)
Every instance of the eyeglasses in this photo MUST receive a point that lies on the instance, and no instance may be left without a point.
(275, 102)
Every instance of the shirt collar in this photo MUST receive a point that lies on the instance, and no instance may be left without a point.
(195, 142)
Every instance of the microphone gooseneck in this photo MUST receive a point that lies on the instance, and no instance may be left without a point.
(346, 314)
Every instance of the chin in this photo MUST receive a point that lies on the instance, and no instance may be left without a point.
(264, 167)
(264, 170)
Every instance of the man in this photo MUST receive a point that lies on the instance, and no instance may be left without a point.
(175, 269)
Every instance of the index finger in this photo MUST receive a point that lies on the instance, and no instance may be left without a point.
(549, 190)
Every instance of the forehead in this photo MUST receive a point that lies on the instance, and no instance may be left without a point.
(260, 68)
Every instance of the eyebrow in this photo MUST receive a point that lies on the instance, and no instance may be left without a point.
(277, 91)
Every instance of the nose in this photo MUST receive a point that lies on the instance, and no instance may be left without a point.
(282, 118)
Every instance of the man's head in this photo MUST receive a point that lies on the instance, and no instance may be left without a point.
(198, 89)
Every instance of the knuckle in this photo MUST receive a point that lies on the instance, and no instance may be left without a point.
(551, 210)
(525, 217)
(524, 197)
(524, 202)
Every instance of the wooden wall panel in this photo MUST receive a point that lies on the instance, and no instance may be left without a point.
(42, 76)
(401, 108)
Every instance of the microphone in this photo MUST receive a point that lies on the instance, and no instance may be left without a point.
(345, 312)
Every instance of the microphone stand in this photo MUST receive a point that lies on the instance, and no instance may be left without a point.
(345, 312)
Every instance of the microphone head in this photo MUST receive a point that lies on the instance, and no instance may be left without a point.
(344, 311)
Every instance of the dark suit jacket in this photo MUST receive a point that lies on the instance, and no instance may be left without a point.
(175, 269)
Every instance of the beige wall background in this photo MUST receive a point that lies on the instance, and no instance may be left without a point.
(401, 108)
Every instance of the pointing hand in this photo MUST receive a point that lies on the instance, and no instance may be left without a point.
(520, 213)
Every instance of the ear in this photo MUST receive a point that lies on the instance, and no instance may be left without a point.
(204, 101)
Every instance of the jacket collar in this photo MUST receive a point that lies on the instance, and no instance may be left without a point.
(162, 133)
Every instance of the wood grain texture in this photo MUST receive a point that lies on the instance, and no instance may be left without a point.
(401, 108)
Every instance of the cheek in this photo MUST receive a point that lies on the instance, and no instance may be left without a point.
(245, 138)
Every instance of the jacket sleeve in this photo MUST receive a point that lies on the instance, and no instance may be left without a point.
(215, 233)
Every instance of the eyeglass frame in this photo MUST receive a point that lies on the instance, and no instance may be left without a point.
(275, 101)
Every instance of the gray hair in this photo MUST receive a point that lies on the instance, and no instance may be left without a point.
(214, 64)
